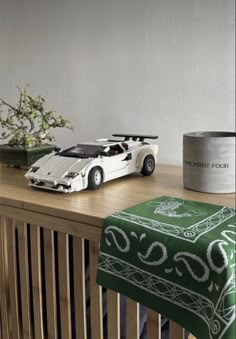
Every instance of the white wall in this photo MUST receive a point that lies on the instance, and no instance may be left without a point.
(160, 67)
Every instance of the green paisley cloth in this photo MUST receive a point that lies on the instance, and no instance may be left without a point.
(177, 257)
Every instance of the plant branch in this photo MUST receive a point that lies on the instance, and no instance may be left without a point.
(8, 105)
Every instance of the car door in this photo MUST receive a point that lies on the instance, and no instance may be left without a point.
(116, 163)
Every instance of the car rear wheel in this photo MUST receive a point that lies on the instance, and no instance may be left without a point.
(148, 165)
(95, 178)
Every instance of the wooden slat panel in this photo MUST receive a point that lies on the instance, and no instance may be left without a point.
(132, 319)
(153, 325)
(113, 314)
(175, 330)
(1, 337)
(24, 279)
(36, 281)
(54, 223)
(49, 252)
(3, 287)
(79, 288)
(12, 272)
(95, 294)
(64, 285)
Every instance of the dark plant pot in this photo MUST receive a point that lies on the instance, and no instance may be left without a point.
(20, 156)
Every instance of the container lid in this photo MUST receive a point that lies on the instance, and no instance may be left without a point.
(210, 134)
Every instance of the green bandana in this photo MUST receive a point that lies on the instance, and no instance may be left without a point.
(177, 257)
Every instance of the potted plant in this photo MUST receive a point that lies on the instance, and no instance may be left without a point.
(27, 126)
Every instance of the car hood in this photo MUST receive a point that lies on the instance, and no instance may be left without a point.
(57, 166)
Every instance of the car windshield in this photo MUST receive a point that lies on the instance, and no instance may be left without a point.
(82, 151)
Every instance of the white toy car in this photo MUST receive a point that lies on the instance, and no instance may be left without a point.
(88, 165)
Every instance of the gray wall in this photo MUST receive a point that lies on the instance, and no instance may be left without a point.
(160, 67)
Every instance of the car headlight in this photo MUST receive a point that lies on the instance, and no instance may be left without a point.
(71, 175)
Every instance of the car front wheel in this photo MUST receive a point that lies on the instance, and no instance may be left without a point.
(95, 178)
(148, 165)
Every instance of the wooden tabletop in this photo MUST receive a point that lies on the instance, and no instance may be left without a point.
(91, 207)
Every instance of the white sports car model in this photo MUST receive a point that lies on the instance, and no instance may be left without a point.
(88, 165)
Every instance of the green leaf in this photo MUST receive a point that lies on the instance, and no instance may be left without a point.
(44, 125)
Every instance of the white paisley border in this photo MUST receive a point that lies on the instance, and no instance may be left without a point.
(191, 233)
(201, 306)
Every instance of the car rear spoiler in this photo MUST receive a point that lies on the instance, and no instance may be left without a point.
(135, 137)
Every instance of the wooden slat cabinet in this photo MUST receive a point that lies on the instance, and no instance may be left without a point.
(47, 243)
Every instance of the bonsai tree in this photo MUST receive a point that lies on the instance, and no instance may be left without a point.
(28, 122)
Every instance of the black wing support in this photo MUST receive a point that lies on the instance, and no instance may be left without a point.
(135, 137)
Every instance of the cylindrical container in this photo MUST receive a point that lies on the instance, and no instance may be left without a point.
(209, 161)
